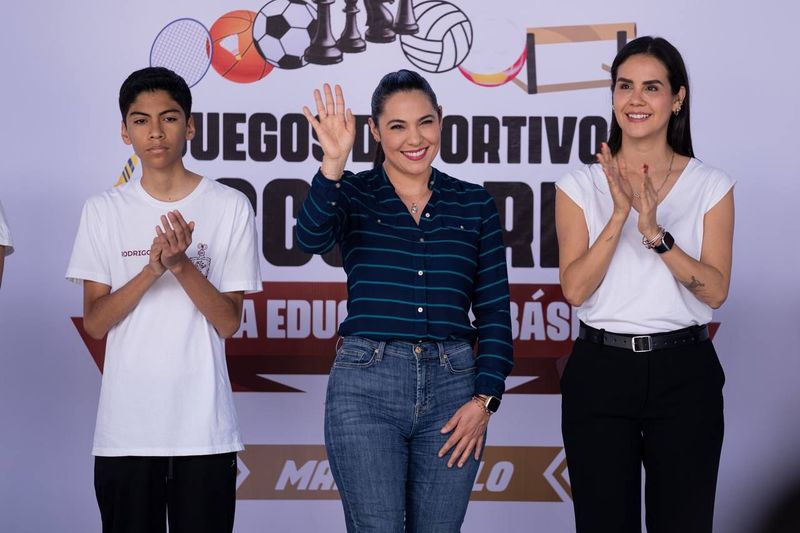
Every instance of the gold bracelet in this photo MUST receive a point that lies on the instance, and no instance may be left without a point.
(482, 402)
(652, 243)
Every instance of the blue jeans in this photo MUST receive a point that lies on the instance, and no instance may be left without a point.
(386, 405)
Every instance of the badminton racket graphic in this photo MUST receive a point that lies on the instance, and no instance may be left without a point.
(183, 46)
(127, 171)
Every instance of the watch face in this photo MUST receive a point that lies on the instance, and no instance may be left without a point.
(493, 404)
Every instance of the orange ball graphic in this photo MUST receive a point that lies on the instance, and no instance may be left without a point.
(235, 56)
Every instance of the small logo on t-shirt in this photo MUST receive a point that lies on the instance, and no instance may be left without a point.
(201, 261)
(135, 253)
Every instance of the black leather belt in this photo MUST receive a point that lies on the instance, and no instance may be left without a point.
(645, 343)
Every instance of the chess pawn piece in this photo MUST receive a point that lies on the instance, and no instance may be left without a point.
(323, 49)
(350, 40)
(379, 22)
(405, 22)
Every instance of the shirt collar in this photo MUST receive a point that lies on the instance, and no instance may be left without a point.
(381, 178)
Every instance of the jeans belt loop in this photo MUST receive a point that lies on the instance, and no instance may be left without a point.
(644, 339)
(379, 351)
(442, 354)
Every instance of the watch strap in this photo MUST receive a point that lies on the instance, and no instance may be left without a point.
(665, 245)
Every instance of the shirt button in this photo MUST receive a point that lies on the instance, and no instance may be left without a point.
(379, 221)
(419, 309)
(420, 272)
(422, 239)
(462, 226)
(338, 185)
(333, 203)
(427, 215)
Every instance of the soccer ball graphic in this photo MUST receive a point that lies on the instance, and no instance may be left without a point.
(283, 30)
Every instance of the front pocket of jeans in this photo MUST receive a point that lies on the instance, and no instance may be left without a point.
(461, 361)
(354, 357)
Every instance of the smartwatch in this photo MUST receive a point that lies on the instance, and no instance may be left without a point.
(490, 404)
(666, 244)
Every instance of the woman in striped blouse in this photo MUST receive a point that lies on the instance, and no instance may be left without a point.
(414, 380)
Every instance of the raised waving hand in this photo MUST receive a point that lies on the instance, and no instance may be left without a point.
(335, 129)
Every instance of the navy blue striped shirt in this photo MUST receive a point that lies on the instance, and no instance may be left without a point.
(417, 282)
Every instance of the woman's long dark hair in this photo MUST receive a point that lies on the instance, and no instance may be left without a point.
(394, 82)
(679, 135)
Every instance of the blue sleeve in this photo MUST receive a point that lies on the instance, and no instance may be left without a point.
(491, 307)
(323, 215)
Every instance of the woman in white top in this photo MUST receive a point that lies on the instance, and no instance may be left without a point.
(645, 244)
(6, 244)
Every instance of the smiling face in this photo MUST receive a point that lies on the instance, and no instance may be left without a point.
(643, 99)
(157, 128)
(409, 130)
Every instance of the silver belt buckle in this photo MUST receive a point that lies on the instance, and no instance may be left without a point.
(642, 343)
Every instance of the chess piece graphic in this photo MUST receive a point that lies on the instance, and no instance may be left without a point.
(323, 49)
(379, 22)
(405, 22)
(350, 40)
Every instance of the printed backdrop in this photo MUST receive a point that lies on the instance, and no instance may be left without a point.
(524, 86)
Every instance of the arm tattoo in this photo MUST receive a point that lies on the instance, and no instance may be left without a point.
(694, 284)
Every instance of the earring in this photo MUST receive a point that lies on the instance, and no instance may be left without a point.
(678, 109)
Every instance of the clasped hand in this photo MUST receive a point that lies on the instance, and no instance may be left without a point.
(173, 237)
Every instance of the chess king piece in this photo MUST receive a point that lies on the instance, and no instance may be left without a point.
(323, 49)
(379, 22)
(350, 40)
(406, 22)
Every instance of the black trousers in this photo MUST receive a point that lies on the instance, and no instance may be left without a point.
(195, 494)
(661, 409)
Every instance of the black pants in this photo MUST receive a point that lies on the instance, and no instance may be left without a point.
(196, 494)
(662, 409)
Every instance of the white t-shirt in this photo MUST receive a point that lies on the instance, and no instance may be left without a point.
(638, 293)
(5, 234)
(165, 388)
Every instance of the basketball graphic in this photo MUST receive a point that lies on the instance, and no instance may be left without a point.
(444, 38)
(283, 30)
(235, 56)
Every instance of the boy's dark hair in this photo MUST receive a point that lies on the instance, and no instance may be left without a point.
(679, 135)
(394, 82)
(155, 79)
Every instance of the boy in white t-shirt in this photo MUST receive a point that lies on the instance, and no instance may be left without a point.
(165, 261)
(6, 244)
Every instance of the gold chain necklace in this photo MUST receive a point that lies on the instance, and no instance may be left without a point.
(666, 177)
(414, 209)
(669, 172)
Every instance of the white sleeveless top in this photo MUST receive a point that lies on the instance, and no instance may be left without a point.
(638, 293)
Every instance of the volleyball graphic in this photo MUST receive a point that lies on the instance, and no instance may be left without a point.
(235, 56)
(444, 38)
(283, 30)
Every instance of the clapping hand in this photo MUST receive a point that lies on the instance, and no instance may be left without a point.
(618, 184)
